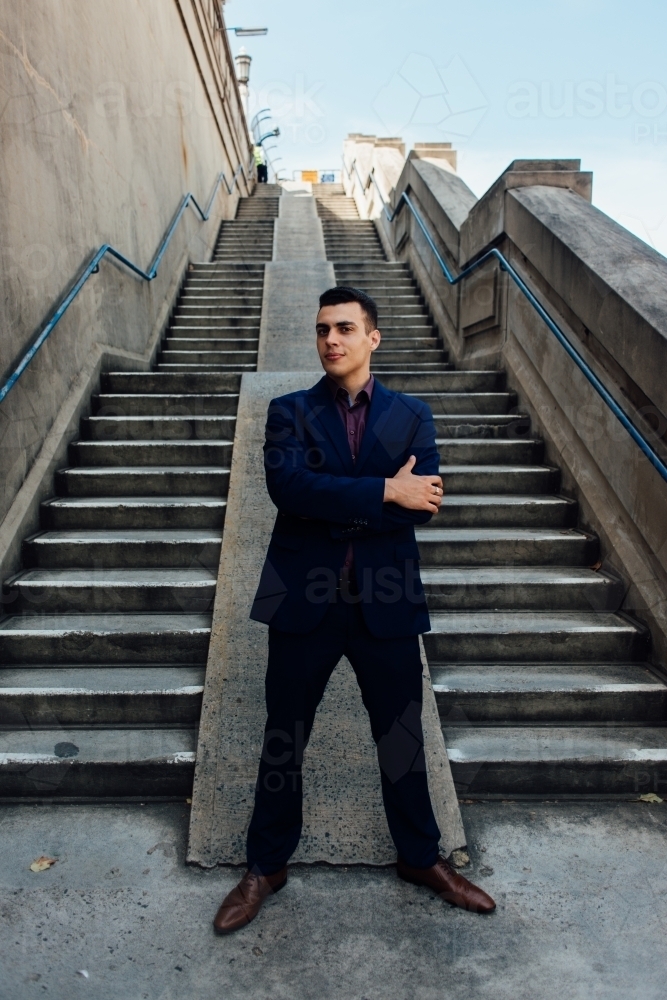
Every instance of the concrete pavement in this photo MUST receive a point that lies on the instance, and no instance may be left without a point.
(581, 891)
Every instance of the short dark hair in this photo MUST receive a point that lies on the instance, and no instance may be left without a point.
(345, 293)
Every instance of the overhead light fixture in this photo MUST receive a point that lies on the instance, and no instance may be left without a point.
(247, 32)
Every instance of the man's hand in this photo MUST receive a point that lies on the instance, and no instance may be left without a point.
(414, 492)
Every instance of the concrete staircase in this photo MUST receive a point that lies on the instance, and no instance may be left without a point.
(346, 236)
(104, 649)
(249, 237)
(541, 681)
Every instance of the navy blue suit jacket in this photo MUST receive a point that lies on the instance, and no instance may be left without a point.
(324, 500)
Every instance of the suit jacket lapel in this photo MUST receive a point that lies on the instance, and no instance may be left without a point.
(329, 419)
(381, 401)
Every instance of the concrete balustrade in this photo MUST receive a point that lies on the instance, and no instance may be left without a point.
(605, 288)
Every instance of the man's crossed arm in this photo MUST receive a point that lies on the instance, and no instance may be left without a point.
(363, 505)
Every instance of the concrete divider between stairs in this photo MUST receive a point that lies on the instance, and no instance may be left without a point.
(344, 820)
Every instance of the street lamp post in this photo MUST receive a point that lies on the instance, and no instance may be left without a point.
(242, 61)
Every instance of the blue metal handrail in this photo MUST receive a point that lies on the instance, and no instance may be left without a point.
(93, 266)
(505, 265)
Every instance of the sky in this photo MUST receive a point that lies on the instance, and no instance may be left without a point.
(522, 79)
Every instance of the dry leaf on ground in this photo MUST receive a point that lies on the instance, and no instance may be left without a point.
(42, 863)
(650, 797)
(460, 859)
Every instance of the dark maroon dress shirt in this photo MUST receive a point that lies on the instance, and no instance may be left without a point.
(354, 416)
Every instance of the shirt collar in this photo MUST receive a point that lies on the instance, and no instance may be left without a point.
(338, 392)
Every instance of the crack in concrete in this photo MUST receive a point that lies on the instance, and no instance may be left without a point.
(41, 81)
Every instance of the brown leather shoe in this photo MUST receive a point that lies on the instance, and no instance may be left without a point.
(449, 885)
(243, 903)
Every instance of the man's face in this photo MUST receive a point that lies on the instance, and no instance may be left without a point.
(343, 344)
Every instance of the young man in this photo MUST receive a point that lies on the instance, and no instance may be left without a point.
(351, 467)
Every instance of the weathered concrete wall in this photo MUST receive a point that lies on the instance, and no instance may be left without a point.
(111, 112)
(608, 291)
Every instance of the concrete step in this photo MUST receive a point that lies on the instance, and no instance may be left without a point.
(111, 513)
(551, 760)
(449, 381)
(216, 282)
(400, 311)
(231, 296)
(376, 284)
(359, 243)
(399, 302)
(150, 548)
(505, 511)
(260, 216)
(214, 328)
(167, 382)
(489, 451)
(520, 588)
(253, 224)
(147, 453)
(194, 341)
(255, 214)
(117, 481)
(388, 355)
(547, 693)
(163, 428)
(340, 230)
(388, 268)
(506, 479)
(242, 247)
(378, 368)
(399, 287)
(37, 697)
(165, 404)
(230, 314)
(411, 326)
(356, 244)
(202, 366)
(396, 342)
(506, 547)
(336, 254)
(228, 358)
(242, 255)
(247, 233)
(219, 305)
(105, 763)
(207, 269)
(528, 636)
(469, 404)
(105, 638)
(494, 425)
(246, 243)
(60, 591)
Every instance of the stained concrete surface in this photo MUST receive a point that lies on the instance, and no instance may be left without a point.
(581, 892)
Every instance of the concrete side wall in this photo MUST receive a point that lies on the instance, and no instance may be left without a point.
(111, 112)
(608, 292)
